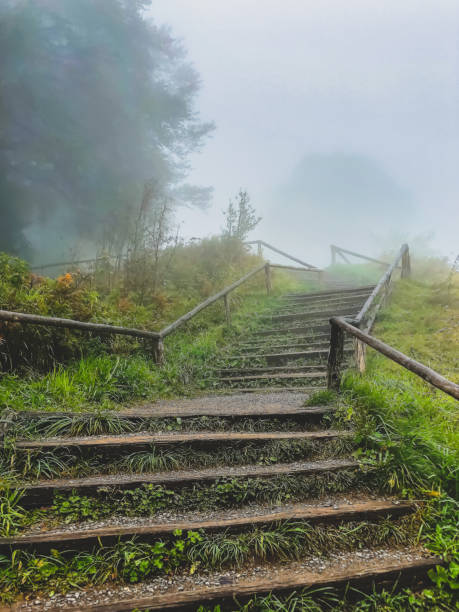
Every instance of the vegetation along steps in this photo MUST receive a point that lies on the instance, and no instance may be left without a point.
(251, 489)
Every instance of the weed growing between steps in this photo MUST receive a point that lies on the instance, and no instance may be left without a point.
(110, 423)
(149, 499)
(71, 462)
(329, 600)
(133, 561)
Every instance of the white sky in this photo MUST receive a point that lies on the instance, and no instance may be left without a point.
(287, 79)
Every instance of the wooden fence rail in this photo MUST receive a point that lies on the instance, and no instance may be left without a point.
(340, 325)
(155, 337)
(336, 250)
(361, 325)
(262, 243)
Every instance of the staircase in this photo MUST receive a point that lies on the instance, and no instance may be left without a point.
(268, 484)
(288, 348)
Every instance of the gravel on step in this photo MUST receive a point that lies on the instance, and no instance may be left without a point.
(336, 501)
(180, 582)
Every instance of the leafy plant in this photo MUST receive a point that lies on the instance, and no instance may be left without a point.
(12, 514)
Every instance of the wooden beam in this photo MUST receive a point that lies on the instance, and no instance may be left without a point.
(270, 246)
(97, 328)
(421, 370)
(335, 356)
(192, 313)
(227, 309)
(384, 281)
(340, 251)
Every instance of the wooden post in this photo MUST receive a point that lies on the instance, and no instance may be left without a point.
(406, 264)
(320, 278)
(335, 356)
(360, 351)
(227, 309)
(260, 249)
(333, 254)
(268, 278)
(158, 351)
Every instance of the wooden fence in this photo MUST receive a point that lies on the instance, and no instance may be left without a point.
(156, 338)
(360, 327)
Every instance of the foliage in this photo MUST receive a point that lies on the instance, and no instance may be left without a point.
(125, 562)
(240, 217)
(11, 513)
(106, 121)
(132, 561)
(321, 398)
(408, 430)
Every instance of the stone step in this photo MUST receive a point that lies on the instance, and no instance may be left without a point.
(281, 376)
(143, 440)
(319, 354)
(186, 592)
(314, 328)
(320, 306)
(326, 293)
(246, 370)
(42, 492)
(312, 316)
(148, 527)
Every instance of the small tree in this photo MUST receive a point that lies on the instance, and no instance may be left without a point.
(240, 217)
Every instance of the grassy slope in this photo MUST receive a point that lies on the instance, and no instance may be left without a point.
(104, 380)
(421, 321)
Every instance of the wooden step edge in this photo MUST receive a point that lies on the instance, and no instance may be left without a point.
(43, 491)
(267, 410)
(236, 390)
(283, 580)
(312, 514)
(364, 288)
(297, 355)
(277, 331)
(311, 316)
(107, 441)
(269, 369)
(348, 299)
(321, 374)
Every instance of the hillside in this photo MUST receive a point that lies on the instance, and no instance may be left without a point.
(150, 504)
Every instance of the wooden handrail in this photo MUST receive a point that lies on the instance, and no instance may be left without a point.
(74, 263)
(19, 317)
(336, 249)
(156, 337)
(421, 370)
(298, 269)
(210, 300)
(270, 246)
(385, 280)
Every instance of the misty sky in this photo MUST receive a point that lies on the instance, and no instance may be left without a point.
(328, 111)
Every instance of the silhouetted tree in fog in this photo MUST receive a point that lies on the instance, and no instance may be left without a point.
(94, 101)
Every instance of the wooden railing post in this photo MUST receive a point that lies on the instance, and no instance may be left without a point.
(360, 351)
(268, 278)
(158, 351)
(260, 249)
(335, 356)
(227, 309)
(333, 254)
(320, 278)
(406, 263)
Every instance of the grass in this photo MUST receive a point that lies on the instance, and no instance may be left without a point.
(131, 561)
(106, 381)
(73, 462)
(408, 424)
(408, 431)
(99, 423)
(149, 499)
